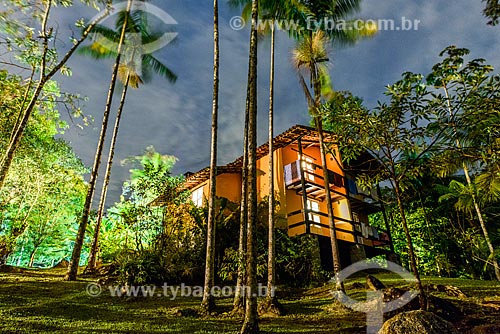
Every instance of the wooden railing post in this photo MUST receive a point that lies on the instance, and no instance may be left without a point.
(303, 185)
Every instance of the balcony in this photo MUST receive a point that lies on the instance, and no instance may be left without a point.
(346, 230)
(307, 180)
(340, 186)
(313, 181)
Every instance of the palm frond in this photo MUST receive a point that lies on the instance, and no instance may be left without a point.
(103, 31)
(344, 8)
(311, 51)
(96, 51)
(488, 183)
(159, 68)
(125, 71)
(237, 3)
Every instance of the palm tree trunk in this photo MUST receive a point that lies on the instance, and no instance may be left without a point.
(238, 302)
(271, 270)
(77, 249)
(411, 252)
(331, 222)
(486, 234)
(271, 303)
(91, 266)
(208, 303)
(250, 324)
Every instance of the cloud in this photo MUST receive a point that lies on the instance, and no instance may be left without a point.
(176, 119)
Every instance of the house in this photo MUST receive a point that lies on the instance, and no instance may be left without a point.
(299, 186)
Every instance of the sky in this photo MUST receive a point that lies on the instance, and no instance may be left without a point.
(176, 118)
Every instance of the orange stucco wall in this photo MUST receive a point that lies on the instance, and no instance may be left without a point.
(228, 186)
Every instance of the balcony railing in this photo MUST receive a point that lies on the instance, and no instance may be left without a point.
(313, 180)
(346, 230)
(308, 220)
(340, 186)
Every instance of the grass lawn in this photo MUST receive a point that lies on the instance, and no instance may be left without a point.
(41, 302)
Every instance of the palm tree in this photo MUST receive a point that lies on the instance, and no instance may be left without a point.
(479, 213)
(311, 56)
(492, 11)
(136, 69)
(270, 11)
(77, 248)
(465, 168)
(208, 303)
(129, 75)
(250, 323)
(467, 200)
(271, 261)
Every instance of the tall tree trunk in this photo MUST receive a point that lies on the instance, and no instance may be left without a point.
(239, 296)
(208, 302)
(25, 114)
(411, 252)
(271, 303)
(271, 273)
(486, 234)
(91, 266)
(77, 249)
(331, 222)
(32, 256)
(250, 324)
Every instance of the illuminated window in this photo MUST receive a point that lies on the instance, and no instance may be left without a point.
(198, 197)
(309, 169)
(313, 206)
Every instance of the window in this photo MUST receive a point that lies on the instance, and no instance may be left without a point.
(198, 197)
(313, 206)
(309, 168)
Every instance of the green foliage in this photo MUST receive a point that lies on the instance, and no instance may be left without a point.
(17, 21)
(394, 133)
(492, 11)
(114, 236)
(431, 126)
(146, 267)
(462, 194)
(154, 234)
(448, 241)
(43, 193)
(297, 260)
(153, 266)
(467, 102)
(297, 263)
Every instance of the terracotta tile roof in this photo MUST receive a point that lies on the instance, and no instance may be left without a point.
(309, 136)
